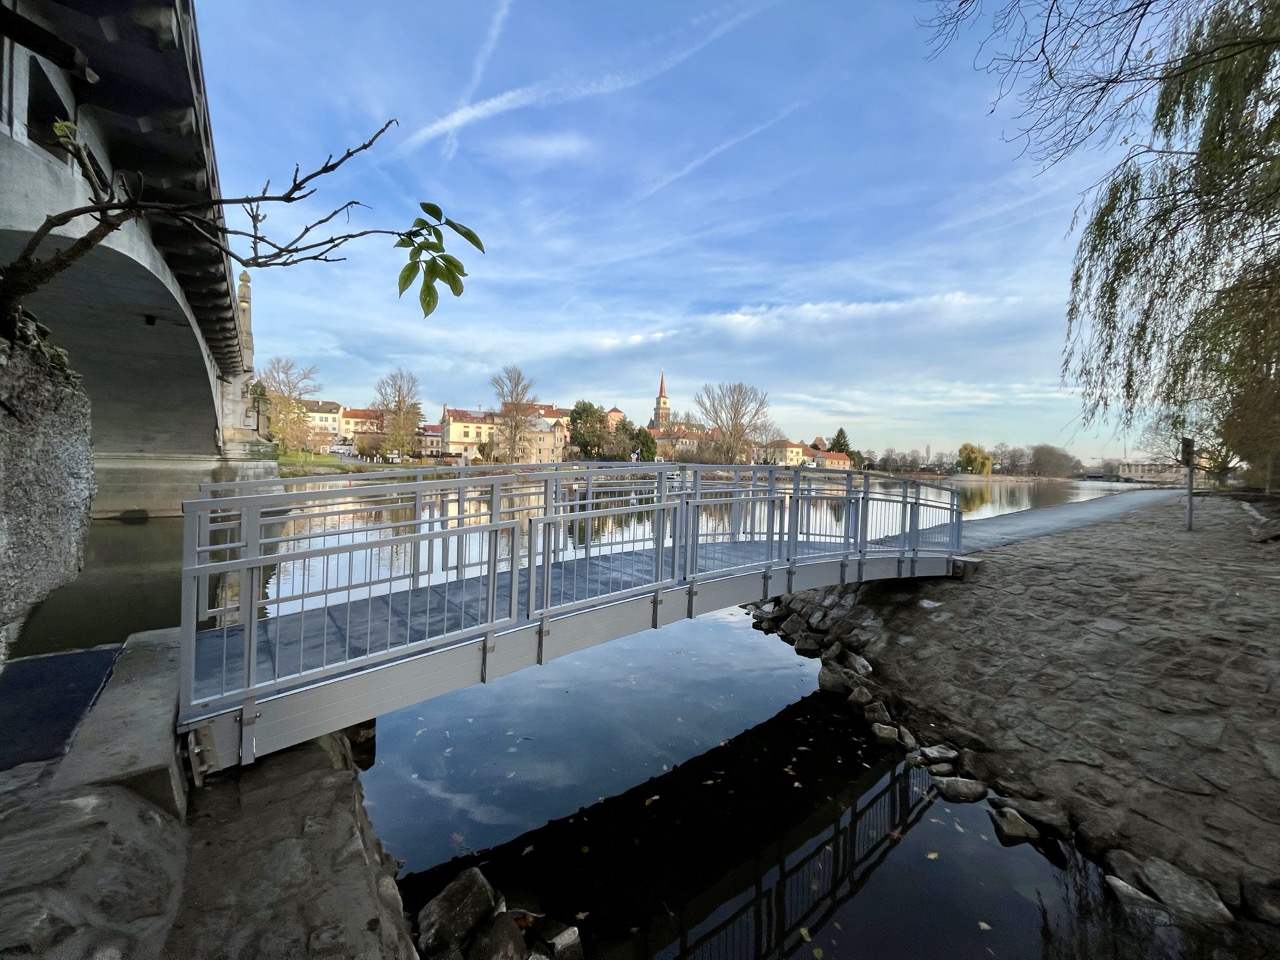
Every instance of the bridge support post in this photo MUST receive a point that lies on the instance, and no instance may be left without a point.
(249, 715)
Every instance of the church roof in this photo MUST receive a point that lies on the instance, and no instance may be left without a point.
(662, 385)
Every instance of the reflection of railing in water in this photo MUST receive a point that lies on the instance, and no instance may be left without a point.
(730, 851)
(326, 580)
(809, 886)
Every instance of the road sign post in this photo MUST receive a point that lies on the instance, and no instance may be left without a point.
(1188, 460)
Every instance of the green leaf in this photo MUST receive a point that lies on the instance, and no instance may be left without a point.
(454, 264)
(430, 270)
(454, 282)
(432, 210)
(408, 275)
(466, 233)
(430, 246)
(418, 222)
(428, 298)
(405, 242)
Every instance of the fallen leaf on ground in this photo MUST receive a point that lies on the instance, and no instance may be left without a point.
(931, 856)
(527, 850)
(983, 926)
(581, 914)
(651, 799)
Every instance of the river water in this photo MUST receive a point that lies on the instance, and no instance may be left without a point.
(680, 792)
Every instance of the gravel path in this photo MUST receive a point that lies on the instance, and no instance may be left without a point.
(1128, 670)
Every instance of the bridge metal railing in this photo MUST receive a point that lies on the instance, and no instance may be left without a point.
(291, 584)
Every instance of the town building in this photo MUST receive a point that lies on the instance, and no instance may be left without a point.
(356, 420)
(787, 453)
(429, 433)
(324, 420)
(463, 431)
(831, 460)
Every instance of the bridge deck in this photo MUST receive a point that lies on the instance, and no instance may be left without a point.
(299, 643)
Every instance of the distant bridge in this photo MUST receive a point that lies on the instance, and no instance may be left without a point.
(314, 606)
(151, 319)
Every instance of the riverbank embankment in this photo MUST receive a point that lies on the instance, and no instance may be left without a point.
(107, 854)
(1125, 673)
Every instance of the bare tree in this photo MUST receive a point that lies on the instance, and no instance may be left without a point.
(123, 199)
(396, 397)
(287, 385)
(1206, 424)
(737, 417)
(516, 400)
(1082, 69)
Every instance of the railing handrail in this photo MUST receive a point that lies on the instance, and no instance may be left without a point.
(393, 480)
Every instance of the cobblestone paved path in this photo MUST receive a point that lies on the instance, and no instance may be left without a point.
(1129, 671)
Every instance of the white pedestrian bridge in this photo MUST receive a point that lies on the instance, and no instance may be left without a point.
(312, 605)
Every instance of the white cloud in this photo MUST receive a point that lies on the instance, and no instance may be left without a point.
(540, 150)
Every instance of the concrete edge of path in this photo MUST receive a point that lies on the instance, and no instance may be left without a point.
(128, 736)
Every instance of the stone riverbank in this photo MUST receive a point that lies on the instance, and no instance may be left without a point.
(271, 862)
(1119, 684)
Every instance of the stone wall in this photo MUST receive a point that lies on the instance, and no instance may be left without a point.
(46, 475)
(283, 863)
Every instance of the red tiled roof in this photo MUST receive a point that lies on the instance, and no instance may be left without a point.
(469, 416)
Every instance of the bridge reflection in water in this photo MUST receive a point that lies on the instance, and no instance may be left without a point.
(737, 853)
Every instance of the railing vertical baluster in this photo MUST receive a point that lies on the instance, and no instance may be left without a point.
(193, 583)
(956, 522)
(431, 543)
(793, 530)
(864, 530)
(771, 522)
(915, 527)
(693, 525)
(589, 509)
(419, 510)
(530, 584)
(491, 591)
(659, 523)
(445, 540)
(850, 526)
(904, 499)
(251, 527)
(548, 558)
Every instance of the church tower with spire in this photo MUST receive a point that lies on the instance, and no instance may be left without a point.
(661, 408)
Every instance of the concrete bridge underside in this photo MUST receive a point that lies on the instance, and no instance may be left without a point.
(149, 319)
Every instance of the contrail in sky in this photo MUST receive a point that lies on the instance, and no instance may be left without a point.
(561, 89)
(717, 150)
(477, 70)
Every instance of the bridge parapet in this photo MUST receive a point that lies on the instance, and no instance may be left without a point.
(309, 605)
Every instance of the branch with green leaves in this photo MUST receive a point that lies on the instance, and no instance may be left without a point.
(118, 200)
(428, 259)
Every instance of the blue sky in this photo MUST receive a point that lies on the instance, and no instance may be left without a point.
(794, 195)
